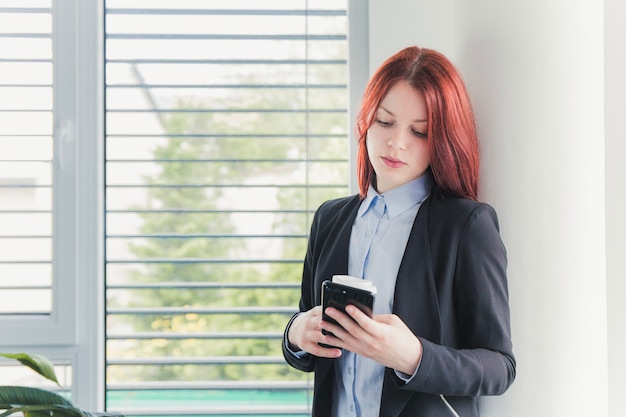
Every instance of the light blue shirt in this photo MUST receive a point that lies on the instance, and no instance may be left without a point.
(379, 237)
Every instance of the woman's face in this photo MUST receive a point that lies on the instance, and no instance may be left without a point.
(396, 142)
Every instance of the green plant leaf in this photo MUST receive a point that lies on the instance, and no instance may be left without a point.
(37, 363)
(36, 402)
(45, 411)
(52, 411)
(16, 395)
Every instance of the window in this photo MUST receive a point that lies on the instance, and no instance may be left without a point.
(157, 183)
(37, 175)
(226, 128)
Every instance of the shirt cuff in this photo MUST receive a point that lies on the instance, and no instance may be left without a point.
(297, 353)
(406, 377)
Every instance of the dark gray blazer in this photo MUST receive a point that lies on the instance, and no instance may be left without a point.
(451, 291)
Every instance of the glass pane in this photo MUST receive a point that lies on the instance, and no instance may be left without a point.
(25, 158)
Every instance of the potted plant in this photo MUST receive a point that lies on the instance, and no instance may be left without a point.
(36, 402)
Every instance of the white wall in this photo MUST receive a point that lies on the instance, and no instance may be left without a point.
(615, 128)
(535, 70)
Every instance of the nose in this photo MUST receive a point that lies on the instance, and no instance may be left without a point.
(397, 141)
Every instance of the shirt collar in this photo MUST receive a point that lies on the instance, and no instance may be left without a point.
(401, 198)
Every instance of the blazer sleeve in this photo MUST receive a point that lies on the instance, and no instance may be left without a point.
(475, 357)
(304, 362)
(326, 255)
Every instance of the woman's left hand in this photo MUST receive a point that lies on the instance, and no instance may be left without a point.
(384, 338)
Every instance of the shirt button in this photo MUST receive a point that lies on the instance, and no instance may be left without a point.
(349, 370)
(352, 408)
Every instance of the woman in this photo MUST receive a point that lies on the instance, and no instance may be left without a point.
(440, 335)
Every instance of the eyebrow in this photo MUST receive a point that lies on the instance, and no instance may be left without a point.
(414, 121)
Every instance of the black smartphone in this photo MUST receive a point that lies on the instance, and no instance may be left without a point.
(339, 296)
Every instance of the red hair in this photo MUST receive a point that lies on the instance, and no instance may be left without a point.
(452, 137)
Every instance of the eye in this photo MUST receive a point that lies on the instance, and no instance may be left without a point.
(383, 123)
(419, 134)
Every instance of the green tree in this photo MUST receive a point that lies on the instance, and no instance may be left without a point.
(207, 151)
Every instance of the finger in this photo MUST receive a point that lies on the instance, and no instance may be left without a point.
(353, 339)
(333, 332)
(346, 330)
(345, 321)
(362, 320)
(356, 313)
(324, 346)
(329, 352)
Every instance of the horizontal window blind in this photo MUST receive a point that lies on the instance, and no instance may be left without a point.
(226, 126)
(26, 159)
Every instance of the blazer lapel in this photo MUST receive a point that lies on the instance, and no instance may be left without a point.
(333, 257)
(416, 292)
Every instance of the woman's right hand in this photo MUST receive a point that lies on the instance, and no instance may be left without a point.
(305, 333)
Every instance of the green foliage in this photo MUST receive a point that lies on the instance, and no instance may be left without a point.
(205, 153)
(30, 396)
(37, 363)
(36, 402)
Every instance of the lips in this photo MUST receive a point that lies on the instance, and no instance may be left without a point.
(392, 162)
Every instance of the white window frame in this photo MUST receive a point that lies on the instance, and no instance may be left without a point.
(73, 332)
(58, 327)
(358, 72)
(89, 374)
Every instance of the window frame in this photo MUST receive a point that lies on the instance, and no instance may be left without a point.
(58, 328)
(73, 333)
